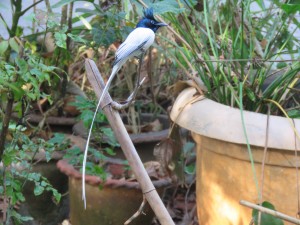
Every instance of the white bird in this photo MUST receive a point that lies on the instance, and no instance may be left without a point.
(137, 42)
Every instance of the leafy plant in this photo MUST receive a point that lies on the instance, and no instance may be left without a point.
(25, 79)
(17, 167)
(20, 86)
(103, 136)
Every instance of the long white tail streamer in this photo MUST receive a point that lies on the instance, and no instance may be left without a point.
(114, 72)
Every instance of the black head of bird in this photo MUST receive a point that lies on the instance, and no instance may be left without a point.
(148, 21)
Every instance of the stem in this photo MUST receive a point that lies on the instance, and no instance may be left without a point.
(150, 75)
(5, 124)
(70, 16)
(29, 7)
(48, 6)
(64, 15)
(16, 16)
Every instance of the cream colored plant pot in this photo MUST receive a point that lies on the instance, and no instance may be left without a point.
(224, 174)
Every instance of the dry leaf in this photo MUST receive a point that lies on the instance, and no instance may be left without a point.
(153, 169)
(163, 152)
(152, 127)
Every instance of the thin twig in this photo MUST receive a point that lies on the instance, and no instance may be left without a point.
(137, 213)
(271, 212)
(187, 195)
(41, 124)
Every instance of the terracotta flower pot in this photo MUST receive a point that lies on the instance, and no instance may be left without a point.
(115, 202)
(224, 173)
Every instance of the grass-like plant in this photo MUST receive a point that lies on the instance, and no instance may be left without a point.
(228, 43)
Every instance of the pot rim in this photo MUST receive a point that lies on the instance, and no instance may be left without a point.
(214, 123)
(70, 171)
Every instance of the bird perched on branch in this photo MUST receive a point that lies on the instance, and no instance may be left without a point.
(137, 42)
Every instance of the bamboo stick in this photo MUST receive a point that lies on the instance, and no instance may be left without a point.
(271, 212)
(127, 146)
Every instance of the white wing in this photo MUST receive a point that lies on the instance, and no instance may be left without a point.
(140, 39)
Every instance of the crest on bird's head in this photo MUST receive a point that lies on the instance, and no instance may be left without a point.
(149, 21)
(148, 13)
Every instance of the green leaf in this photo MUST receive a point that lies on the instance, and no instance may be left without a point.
(36, 71)
(26, 218)
(112, 141)
(266, 219)
(291, 8)
(3, 47)
(250, 94)
(60, 39)
(34, 177)
(7, 159)
(48, 156)
(22, 64)
(52, 24)
(190, 169)
(76, 38)
(87, 117)
(281, 65)
(294, 113)
(20, 196)
(109, 151)
(17, 90)
(44, 184)
(38, 189)
(14, 44)
(16, 185)
(19, 217)
(58, 138)
(57, 196)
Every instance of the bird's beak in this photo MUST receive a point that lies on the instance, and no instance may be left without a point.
(161, 24)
